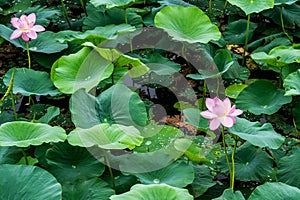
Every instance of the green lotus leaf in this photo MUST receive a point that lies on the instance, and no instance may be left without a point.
(252, 6)
(292, 84)
(289, 168)
(190, 149)
(118, 104)
(96, 36)
(223, 62)
(154, 191)
(253, 132)
(24, 134)
(290, 13)
(234, 90)
(45, 43)
(10, 155)
(230, 194)
(262, 97)
(84, 69)
(159, 64)
(137, 68)
(275, 190)
(278, 56)
(97, 17)
(235, 32)
(194, 118)
(179, 23)
(28, 182)
(177, 174)
(106, 136)
(91, 189)
(251, 163)
(69, 163)
(158, 137)
(113, 3)
(30, 82)
(284, 2)
(51, 113)
(203, 180)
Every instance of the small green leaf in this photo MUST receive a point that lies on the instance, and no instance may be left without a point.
(51, 113)
(234, 90)
(230, 194)
(112, 3)
(292, 84)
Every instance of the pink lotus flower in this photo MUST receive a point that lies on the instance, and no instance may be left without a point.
(25, 27)
(220, 112)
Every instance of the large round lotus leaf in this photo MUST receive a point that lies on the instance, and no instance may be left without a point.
(235, 32)
(10, 155)
(230, 194)
(155, 191)
(28, 182)
(45, 43)
(252, 6)
(24, 134)
(30, 82)
(177, 174)
(179, 22)
(262, 97)
(84, 69)
(87, 190)
(274, 191)
(292, 84)
(257, 134)
(251, 163)
(106, 136)
(289, 168)
(112, 3)
(68, 163)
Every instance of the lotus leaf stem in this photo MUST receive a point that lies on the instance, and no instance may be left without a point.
(65, 13)
(233, 164)
(25, 157)
(110, 172)
(28, 55)
(83, 7)
(282, 24)
(246, 40)
(13, 105)
(226, 154)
